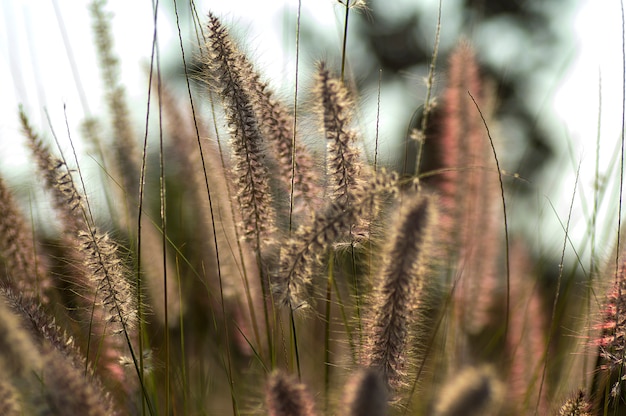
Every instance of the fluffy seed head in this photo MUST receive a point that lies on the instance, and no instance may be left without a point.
(126, 150)
(286, 396)
(366, 394)
(108, 274)
(10, 400)
(473, 391)
(24, 268)
(66, 390)
(612, 340)
(578, 405)
(65, 196)
(18, 353)
(254, 196)
(398, 294)
(309, 243)
(292, 158)
(343, 164)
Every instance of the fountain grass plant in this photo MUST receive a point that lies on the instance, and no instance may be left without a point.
(243, 272)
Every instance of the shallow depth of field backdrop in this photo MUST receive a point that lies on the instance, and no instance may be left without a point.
(552, 62)
(554, 67)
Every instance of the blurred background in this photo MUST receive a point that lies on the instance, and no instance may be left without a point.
(555, 67)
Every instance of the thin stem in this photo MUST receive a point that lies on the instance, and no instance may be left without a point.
(183, 357)
(295, 342)
(553, 320)
(142, 184)
(237, 237)
(594, 218)
(621, 185)
(219, 274)
(345, 40)
(380, 77)
(506, 223)
(329, 285)
(357, 294)
(427, 102)
(344, 318)
(72, 61)
(293, 174)
(621, 168)
(163, 211)
(295, 119)
(182, 328)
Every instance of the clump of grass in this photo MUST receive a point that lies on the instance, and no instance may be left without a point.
(273, 265)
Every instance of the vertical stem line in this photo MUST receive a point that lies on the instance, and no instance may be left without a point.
(427, 103)
(621, 183)
(163, 213)
(345, 40)
(329, 286)
(293, 173)
(596, 200)
(295, 119)
(295, 343)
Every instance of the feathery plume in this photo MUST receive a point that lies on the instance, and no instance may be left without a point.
(20, 360)
(65, 197)
(49, 336)
(113, 312)
(473, 392)
(291, 156)
(10, 400)
(67, 391)
(18, 354)
(237, 267)
(578, 405)
(366, 394)
(398, 295)
(526, 343)
(343, 164)
(286, 396)
(126, 151)
(25, 270)
(126, 166)
(462, 145)
(469, 187)
(108, 275)
(101, 281)
(254, 196)
(42, 327)
(310, 241)
(63, 383)
(100, 252)
(611, 341)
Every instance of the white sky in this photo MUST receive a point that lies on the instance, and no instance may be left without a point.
(35, 71)
(595, 71)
